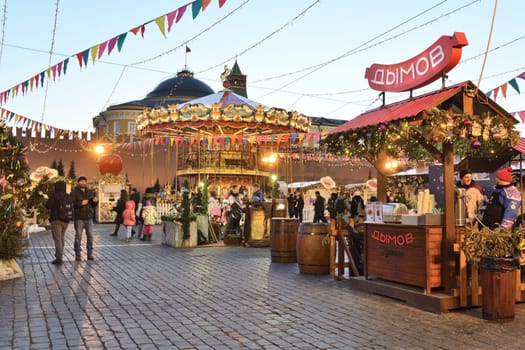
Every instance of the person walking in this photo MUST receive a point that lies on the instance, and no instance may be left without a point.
(119, 209)
(319, 206)
(59, 222)
(299, 205)
(129, 219)
(135, 197)
(84, 200)
(149, 217)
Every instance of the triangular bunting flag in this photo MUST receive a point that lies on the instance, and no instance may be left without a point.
(161, 22)
(503, 88)
(135, 30)
(94, 53)
(31, 82)
(221, 3)
(42, 77)
(205, 4)
(180, 12)
(79, 58)
(111, 44)
(515, 85)
(48, 73)
(120, 42)
(171, 16)
(54, 71)
(496, 93)
(101, 49)
(522, 75)
(66, 61)
(85, 56)
(489, 93)
(59, 68)
(142, 30)
(196, 8)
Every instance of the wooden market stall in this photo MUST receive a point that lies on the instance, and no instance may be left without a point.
(422, 263)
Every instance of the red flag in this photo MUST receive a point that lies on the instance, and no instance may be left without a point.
(188, 49)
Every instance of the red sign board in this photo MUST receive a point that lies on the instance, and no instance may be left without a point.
(420, 70)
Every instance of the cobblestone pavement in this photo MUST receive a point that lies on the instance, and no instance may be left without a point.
(143, 295)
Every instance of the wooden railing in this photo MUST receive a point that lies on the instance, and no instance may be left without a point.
(341, 257)
(468, 288)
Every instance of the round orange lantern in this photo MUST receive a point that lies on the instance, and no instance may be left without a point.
(110, 164)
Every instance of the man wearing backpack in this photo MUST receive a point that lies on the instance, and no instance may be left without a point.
(84, 200)
(59, 221)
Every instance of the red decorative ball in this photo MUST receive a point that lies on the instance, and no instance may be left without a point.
(363, 131)
(110, 164)
(467, 122)
(435, 139)
(382, 127)
(475, 144)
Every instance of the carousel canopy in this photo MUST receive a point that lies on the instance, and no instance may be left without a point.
(222, 113)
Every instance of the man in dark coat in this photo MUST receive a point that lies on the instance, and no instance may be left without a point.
(58, 225)
(299, 205)
(319, 207)
(84, 202)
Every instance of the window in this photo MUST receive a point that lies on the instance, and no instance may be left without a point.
(131, 128)
(116, 128)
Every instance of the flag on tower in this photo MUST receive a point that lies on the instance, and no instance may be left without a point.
(188, 49)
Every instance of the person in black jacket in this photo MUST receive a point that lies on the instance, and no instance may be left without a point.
(58, 226)
(299, 205)
(84, 200)
(119, 209)
(319, 207)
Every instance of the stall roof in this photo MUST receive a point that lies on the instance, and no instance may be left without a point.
(520, 146)
(399, 110)
(412, 172)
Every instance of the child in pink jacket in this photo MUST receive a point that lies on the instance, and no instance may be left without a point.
(128, 218)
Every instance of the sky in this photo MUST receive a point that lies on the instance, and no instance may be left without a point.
(276, 44)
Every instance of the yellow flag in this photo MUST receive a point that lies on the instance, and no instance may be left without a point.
(94, 52)
(161, 24)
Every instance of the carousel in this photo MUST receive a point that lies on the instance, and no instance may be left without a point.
(224, 137)
(227, 139)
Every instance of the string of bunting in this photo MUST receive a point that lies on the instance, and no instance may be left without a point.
(17, 120)
(503, 89)
(164, 23)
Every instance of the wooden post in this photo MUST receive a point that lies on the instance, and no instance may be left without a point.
(449, 234)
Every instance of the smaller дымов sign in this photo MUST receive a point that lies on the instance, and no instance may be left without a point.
(423, 69)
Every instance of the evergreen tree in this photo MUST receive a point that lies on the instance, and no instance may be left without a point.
(71, 174)
(14, 187)
(54, 165)
(37, 200)
(60, 168)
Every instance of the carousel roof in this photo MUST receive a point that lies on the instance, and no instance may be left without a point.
(220, 113)
(222, 99)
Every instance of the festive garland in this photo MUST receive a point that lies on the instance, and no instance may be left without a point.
(470, 135)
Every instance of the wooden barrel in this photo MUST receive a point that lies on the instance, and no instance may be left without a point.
(498, 283)
(283, 239)
(312, 256)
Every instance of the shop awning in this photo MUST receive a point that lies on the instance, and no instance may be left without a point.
(403, 109)
(520, 146)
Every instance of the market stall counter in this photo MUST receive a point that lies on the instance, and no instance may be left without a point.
(404, 254)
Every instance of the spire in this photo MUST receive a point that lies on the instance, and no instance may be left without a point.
(237, 81)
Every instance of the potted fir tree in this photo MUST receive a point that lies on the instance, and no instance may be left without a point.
(495, 252)
(180, 226)
(203, 215)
